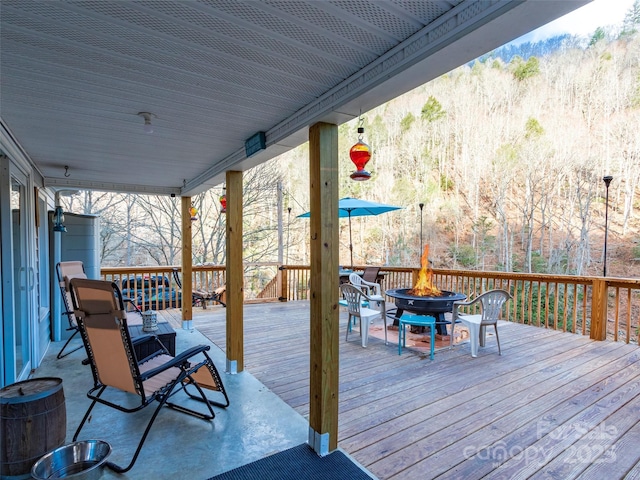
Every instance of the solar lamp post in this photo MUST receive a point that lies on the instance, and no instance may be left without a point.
(607, 181)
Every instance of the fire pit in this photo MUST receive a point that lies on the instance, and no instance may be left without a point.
(436, 306)
(425, 298)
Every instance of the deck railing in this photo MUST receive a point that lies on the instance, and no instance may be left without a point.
(595, 306)
(156, 287)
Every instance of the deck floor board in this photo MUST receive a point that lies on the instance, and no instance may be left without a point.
(553, 405)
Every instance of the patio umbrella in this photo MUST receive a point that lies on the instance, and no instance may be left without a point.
(353, 207)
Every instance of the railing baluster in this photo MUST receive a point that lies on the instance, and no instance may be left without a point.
(565, 299)
(628, 315)
(616, 315)
(585, 296)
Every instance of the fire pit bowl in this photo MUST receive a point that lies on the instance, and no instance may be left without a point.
(427, 304)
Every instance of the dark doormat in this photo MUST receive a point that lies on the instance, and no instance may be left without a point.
(298, 463)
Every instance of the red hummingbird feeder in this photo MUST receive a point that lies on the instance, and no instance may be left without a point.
(360, 154)
(223, 201)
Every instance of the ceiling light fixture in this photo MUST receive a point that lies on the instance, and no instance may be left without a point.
(148, 128)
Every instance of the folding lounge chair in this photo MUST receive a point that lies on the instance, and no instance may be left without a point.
(370, 274)
(201, 297)
(102, 320)
(65, 272)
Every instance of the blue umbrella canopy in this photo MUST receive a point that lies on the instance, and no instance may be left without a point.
(354, 207)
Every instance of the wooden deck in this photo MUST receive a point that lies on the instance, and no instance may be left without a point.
(554, 405)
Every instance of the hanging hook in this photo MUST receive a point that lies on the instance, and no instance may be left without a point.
(66, 171)
(360, 126)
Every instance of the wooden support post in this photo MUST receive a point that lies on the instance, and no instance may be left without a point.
(323, 395)
(599, 293)
(187, 264)
(235, 275)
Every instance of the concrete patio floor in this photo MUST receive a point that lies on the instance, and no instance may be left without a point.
(256, 424)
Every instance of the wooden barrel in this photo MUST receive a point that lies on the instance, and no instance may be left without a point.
(33, 421)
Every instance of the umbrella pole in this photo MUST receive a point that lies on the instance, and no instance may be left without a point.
(350, 241)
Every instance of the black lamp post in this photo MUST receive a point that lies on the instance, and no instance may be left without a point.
(421, 205)
(607, 181)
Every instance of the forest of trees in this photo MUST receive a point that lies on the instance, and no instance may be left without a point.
(507, 157)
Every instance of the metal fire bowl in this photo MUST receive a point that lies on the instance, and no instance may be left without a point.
(427, 304)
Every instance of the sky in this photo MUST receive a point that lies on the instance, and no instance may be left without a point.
(583, 21)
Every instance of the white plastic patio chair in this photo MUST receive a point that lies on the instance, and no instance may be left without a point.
(491, 303)
(372, 290)
(354, 297)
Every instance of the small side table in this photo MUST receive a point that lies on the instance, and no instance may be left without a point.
(416, 321)
(165, 333)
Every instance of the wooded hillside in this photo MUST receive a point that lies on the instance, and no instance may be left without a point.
(508, 160)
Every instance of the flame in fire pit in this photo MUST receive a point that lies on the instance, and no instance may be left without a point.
(424, 286)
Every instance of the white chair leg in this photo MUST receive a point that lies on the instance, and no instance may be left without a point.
(364, 329)
(453, 331)
(381, 306)
(474, 336)
(346, 338)
(482, 335)
(400, 337)
(384, 321)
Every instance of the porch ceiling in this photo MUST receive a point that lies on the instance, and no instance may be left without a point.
(75, 74)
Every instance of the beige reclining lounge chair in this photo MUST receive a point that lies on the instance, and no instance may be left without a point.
(66, 271)
(102, 321)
